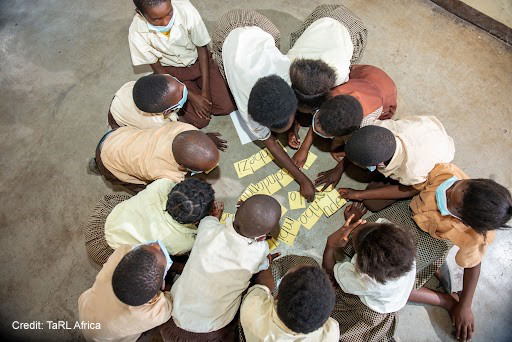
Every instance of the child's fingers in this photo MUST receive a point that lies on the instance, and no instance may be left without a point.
(347, 222)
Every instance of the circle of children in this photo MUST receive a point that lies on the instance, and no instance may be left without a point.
(229, 286)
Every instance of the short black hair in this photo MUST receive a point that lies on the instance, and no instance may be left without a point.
(306, 299)
(138, 277)
(384, 251)
(190, 201)
(142, 5)
(370, 145)
(272, 102)
(149, 93)
(340, 115)
(486, 205)
(311, 81)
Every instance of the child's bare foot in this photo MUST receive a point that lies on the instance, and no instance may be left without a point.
(293, 136)
(357, 209)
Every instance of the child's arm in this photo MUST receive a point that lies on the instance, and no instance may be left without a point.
(385, 192)
(204, 66)
(300, 157)
(266, 278)
(307, 189)
(332, 176)
(462, 316)
(158, 68)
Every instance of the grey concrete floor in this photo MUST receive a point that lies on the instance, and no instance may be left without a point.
(61, 63)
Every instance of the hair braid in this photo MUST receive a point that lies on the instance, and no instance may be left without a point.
(190, 200)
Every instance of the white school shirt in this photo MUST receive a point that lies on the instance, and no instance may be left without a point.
(179, 49)
(382, 298)
(248, 54)
(421, 143)
(208, 293)
(260, 322)
(143, 218)
(329, 40)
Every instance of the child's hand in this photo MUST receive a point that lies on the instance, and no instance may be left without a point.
(307, 190)
(217, 209)
(300, 157)
(201, 105)
(340, 237)
(349, 194)
(356, 209)
(329, 177)
(216, 138)
(338, 156)
(271, 257)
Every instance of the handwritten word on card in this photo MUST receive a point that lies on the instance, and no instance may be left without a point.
(284, 177)
(296, 200)
(272, 244)
(331, 203)
(289, 231)
(311, 215)
(225, 216)
(243, 168)
(311, 159)
(271, 183)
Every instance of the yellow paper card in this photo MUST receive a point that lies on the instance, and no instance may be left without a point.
(283, 210)
(243, 168)
(289, 231)
(248, 192)
(272, 244)
(321, 194)
(311, 215)
(213, 168)
(261, 189)
(331, 203)
(296, 200)
(311, 159)
(266, 155)
(284, 177)
(226, 216)
(284, 148)
(256, 162)
(272, 184)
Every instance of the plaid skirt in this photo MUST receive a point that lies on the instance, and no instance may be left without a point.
(235, 19)
(357, 322)
(354, 25)
(95, 244)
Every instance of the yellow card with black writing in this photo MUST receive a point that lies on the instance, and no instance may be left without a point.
(311, 159)
(311, 215)
(243, 168)
(296, 200)
(289, 231)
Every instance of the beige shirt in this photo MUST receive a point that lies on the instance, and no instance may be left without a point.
(329, 40)
(143, 218)
(119, 322)
(428, 217)
(208, 293)
(179, 49)
(260, 322)
(382, 298)
(248, 54)
(142, 156)
(126, 113)
(421, 143)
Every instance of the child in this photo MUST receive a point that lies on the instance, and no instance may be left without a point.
(381, 273)
(172, 38)
(134, 158)
(299, 312)
(163, 211)
(465, 211)
(404, 150)
(207, 295)
(126, 298)
(257, 74)
(147, 102)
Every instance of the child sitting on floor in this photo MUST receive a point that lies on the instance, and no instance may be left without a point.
(126, 298)
(404, 150)
(147, 102)
(381, 273)
(163, 211)
(172, 38)
(207, 295)
(467, 212)
(299, 312)
(134, 158)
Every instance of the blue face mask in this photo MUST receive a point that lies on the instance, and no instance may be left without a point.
(314, 128)
(194, 172)
(164, 250)
(163, 29)
(371, 168)
(441, 196)
(181, 102)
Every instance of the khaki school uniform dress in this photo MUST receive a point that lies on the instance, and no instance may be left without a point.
(427, 216)
(118, 321)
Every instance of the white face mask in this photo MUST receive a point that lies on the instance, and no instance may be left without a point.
(163, 29)
(314, 129)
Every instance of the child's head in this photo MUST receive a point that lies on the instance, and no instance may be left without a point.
(157, 93)
(306, 299)
(311, 81)
(258, 216)
(195, 151)
(190, 200)
(384, 251)
(139, 275)
(338, 116)
(272, 103)
(156, 12)
(370, 146)
(480, 203)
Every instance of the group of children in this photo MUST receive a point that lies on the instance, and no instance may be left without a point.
(229, 286)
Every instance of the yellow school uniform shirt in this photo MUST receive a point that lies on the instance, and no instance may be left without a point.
(260, 322)
(119, 321)
(179, 49)
(427, 216)
(143, 218)
(141, 156)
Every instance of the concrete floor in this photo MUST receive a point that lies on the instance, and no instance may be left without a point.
(500, 10)
(62, 61)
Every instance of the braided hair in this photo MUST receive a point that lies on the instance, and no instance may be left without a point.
(190, 200)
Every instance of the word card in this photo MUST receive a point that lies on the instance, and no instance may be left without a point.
(243, 168)
(260, 159)
(289, 231)
(226, 216)
(284, 177)
(296, 200)
(272, 244)
(311, 159)
(311, 215)
(271, 183)
(331, 203)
